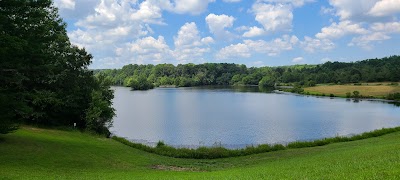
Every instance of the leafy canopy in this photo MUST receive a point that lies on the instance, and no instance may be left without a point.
(44, 78)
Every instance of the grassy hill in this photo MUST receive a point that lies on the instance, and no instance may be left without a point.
(32, 153)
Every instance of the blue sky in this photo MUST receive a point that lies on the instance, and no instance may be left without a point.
(251, 32)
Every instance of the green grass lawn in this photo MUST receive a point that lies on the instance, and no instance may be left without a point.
(32, 153)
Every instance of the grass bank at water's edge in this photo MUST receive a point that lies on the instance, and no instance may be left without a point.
(221, 152)
(33, 153)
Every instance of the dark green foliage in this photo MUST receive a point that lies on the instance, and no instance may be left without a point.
(160, 144)
(311, 83)
(296, 89)
(99, 114)
(372, 70)
(221, 152)
(348, 95)
(394, 96)
(185, 75)
(267, 81)
(141, 83)
(44, 79)
(356, 94)
(8, 121)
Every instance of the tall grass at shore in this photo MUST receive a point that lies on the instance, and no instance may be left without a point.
(221, 152)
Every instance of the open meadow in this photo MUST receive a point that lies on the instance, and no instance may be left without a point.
(378, 90)
(33, 153)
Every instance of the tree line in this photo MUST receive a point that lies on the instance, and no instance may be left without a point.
(44, 79)
(183, 75)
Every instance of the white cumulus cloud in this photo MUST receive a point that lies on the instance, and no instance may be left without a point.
(248, 47)
(67, 4)
(189, 46)
(390, 27)
(351, 9)
(337, 30)
(147, 12)
(234, 51)
(296, 3)
(273, 47)
(365, 40)
(149, 49)
(385, 8)
(313, 44)
(242, 28)
(231, 1)
(298, 60)
(113, 31)
(253, 32)
(365, 22)
(218, 25)
(190, 6)
(273, 17)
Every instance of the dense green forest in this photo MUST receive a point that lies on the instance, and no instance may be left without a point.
(371, 70)
(44, 79)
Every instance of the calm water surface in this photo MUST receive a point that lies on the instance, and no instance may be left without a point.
(204, 116)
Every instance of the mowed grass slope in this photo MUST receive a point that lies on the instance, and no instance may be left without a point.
(33, 153)
(373, 90)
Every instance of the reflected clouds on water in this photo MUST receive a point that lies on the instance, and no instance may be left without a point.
(235, 118)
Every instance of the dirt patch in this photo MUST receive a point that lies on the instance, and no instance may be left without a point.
(173, 168)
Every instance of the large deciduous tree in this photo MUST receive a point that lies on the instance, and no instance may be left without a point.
(44, 79)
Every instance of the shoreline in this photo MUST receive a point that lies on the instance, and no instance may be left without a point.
(279, 91)
(217, 152)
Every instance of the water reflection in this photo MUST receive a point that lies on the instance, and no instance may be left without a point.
(236, 117)
(395, 103)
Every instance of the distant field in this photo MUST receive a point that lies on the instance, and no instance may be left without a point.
(372, 89)
(33, 153)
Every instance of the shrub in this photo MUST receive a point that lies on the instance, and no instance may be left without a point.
(394, 96)
(298, 90)
(356, 94)
(160, 144)
(311, 83)
(141, 84)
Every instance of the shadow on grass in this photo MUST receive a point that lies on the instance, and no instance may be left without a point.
(221, 152)
(2, 138)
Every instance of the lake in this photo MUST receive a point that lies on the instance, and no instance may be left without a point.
(237, 117)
